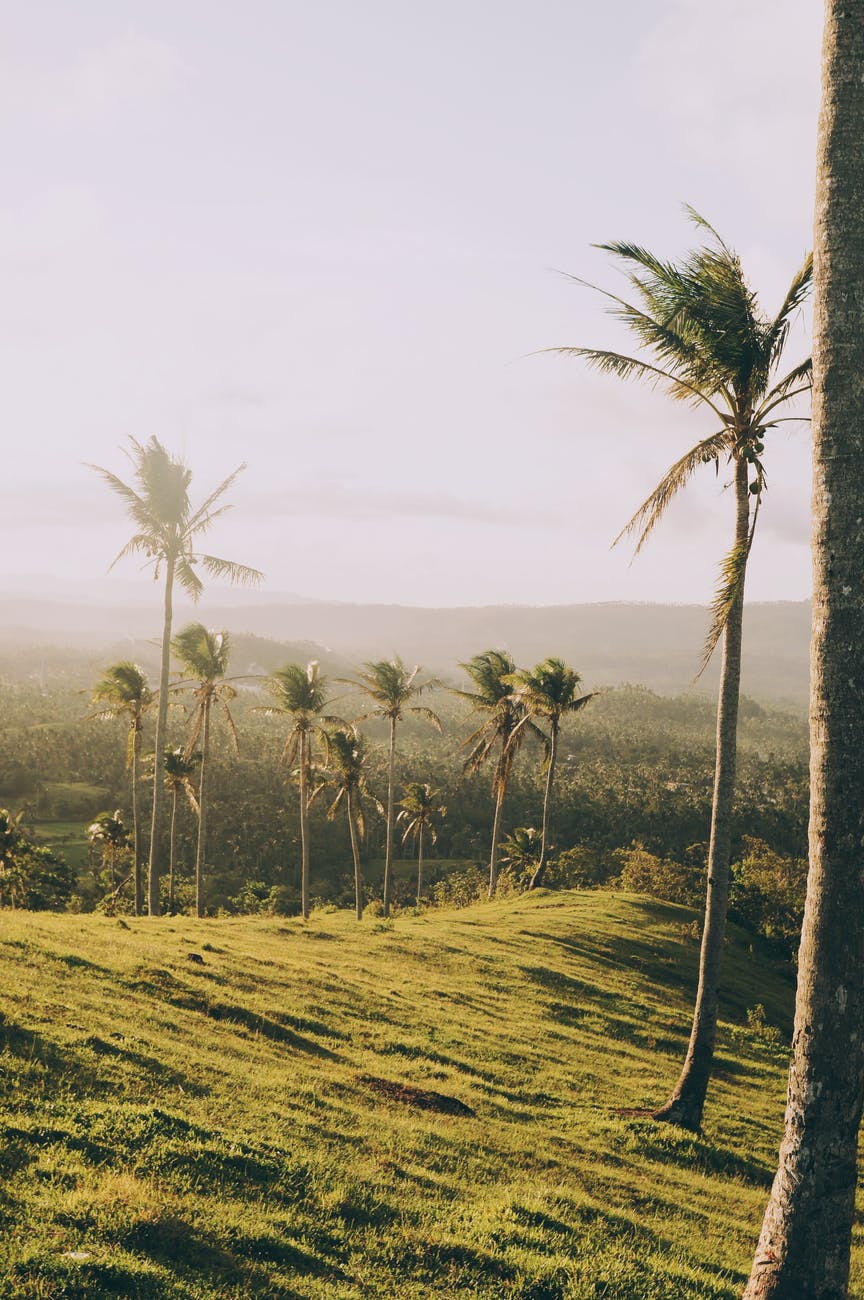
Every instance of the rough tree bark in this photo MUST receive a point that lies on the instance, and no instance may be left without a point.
(687, 1101)
(803, 1252)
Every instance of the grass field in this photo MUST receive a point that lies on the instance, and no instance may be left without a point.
(225, 1108)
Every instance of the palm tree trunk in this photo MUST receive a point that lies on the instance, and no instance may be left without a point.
(157, 827)
(202, 813)
(388, 849)
(136, 829)
(171, 851)
(687, 1102)
(304, 830)
(420, 866)
(540, 871)
(355, 853)
(805, 1242)
(496, 825)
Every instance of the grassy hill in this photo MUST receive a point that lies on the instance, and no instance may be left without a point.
(426, 1107)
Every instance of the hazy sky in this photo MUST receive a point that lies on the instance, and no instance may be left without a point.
(323, 236)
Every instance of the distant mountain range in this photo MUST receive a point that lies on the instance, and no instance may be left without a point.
(658, 646)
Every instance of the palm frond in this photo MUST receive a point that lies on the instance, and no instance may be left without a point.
(195, 523)
(616, 363)
(236, 573)
(733, 570)
(654, 507)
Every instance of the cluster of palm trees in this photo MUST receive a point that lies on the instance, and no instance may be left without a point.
(326, 752)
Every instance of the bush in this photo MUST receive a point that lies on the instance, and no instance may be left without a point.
(643, 873)
(579, 868)
(767, 893)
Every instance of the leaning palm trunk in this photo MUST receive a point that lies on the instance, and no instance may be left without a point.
(496, 830)
(355, 853)
(136, 827)
(388, 850)
(304, 827)
(202, 813)
(686, 1103)
(540, 871)
(157, 828)
(805, 1243)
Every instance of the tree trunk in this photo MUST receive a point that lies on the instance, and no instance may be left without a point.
(202, 813)
(804, 1247)
(420, 866)
(496, 824)
(171, 851)
(136, 829)
(388, 849)
(355, 853)
(687, 1102)
(304, 829)
(157, 826)
(540, 871)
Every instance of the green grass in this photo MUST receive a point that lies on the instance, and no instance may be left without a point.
(181, 1128)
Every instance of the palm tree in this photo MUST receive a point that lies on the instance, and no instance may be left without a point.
(346, 759)
(522, 849)
(712, 347)
(805, 1243)
(551, 692)
(178, 768)
(204, 655)
(420, 805)
(110, 832)
(167, 528)
(301, 695)
(504, 728)
(390, 687)
(123, 690)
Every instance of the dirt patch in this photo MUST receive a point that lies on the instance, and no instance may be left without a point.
(421, 1098)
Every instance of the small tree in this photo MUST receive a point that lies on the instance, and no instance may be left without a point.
(300, 694)
(178, 768)
(109, 832)
(390, 687)
(123, 691)
(346, 755)
(503, 729)
(550, 692)
(420, 806)
(204, 655)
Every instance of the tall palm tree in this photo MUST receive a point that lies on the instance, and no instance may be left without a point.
(712, 347)
(550, 692)
(504, 728)
(390, 687)
(123, 690)
(301, 695)
(420, 806)
(346, 762)
(204, 655)
(178, 768)
(805, 1243)
(167, 530)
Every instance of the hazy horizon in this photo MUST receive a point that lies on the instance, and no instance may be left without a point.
(326, 240)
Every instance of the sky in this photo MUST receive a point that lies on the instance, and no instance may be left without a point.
(327, 239)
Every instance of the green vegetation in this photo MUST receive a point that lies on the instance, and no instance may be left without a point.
(205, 1109)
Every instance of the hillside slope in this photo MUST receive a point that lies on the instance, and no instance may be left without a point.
(224, 1108)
